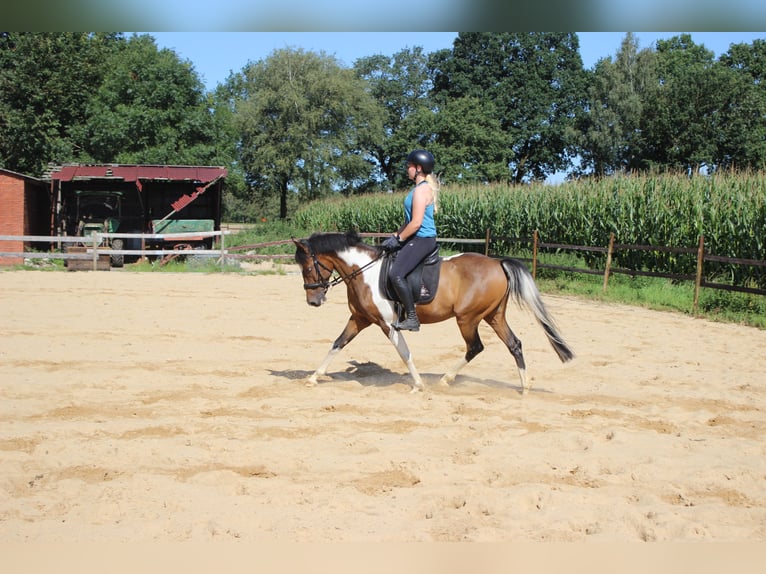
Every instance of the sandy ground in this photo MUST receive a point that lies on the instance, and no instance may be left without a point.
(172, 407)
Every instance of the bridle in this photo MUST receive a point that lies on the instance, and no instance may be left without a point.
(325, 282)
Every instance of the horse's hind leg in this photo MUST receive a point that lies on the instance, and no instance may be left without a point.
(473, 346)
(503, 330)
(352, 329)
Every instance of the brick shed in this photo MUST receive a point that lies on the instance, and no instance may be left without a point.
(25, 209)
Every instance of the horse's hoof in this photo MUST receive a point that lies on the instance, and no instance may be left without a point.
(312, 382)
(414, 390)
(446, 381)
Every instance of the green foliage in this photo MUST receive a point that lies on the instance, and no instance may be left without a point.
(496, 108)
(266, 231)
(400, 86)
(658, 294)
(734, 307)
(531, 87)
(609, 134)
(668, 210)
(46, 82)
(306, 125)
(150, 108)
(701, 112)
(191, 264)
(367, 213)
(471, 145)
(81, 97)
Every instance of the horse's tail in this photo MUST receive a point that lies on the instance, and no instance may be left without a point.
(522, 286)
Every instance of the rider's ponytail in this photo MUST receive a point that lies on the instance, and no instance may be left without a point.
(433, 181)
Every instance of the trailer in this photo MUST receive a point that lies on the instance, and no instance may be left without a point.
(170, 227)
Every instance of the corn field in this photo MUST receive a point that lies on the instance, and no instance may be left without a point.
(663, 210)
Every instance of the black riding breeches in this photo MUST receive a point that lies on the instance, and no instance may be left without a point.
(413, 252)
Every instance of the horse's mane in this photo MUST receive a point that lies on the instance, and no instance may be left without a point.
(333, 242)
(322, 242)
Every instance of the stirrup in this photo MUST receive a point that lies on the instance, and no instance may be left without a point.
(409, 324)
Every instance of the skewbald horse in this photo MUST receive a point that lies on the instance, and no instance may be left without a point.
(472, 288)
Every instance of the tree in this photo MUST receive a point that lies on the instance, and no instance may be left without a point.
(150, 107)
(533, 85)
(679, 119)
(238, 204)
(46, 81)
(307, 126)
(675, 108)
(609, 131)
(400, 85)
(470, 142)
(742, 122)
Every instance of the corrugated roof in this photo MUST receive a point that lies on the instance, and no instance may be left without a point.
(202, 174)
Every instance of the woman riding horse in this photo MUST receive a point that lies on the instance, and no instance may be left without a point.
(416, 238)
(472, 288)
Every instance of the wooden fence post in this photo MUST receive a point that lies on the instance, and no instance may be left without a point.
(698, 281)
(96, 240)
(486, 243)
(142, 257)
(534, 255)
(223, 251)
(608, 260)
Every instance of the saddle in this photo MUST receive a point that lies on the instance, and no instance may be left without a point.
(423, 280)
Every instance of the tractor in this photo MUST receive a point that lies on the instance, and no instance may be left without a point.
(100, 212)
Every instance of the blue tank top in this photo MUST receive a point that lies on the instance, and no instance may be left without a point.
(428, 227)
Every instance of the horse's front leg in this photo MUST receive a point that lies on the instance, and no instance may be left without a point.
(353, 327)
(404, 352)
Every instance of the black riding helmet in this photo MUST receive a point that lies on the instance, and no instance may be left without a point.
(422, 158)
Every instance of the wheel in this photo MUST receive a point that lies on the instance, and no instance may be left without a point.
(118, 260)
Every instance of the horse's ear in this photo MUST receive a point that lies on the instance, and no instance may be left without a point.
(301, 245)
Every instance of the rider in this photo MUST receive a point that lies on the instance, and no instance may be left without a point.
(417, 237)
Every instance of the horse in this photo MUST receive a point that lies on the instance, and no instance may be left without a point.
(471, 288)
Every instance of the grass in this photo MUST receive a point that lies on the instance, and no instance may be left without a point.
(202, 265)
(658, 294)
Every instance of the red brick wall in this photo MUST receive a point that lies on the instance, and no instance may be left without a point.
(12, 215)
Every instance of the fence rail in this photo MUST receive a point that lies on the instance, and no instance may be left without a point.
(697, 278)
(94, 249)
(234, 252)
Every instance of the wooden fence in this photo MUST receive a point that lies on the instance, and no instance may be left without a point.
(609, 250)
(698, 277)
(94, 250)
(535, 245)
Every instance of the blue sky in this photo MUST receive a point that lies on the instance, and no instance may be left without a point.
(392, 15)
(216, 54)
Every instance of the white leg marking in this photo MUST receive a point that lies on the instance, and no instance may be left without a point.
(449, 376)
(322, 369)
(525, 384)
(397, 339)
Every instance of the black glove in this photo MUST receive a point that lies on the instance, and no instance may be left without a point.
(391, 243)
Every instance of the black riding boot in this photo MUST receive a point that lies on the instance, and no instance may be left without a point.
(411, 322)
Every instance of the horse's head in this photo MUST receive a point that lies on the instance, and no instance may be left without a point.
(316, 271)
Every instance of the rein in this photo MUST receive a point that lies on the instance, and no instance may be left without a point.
(325, 283)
